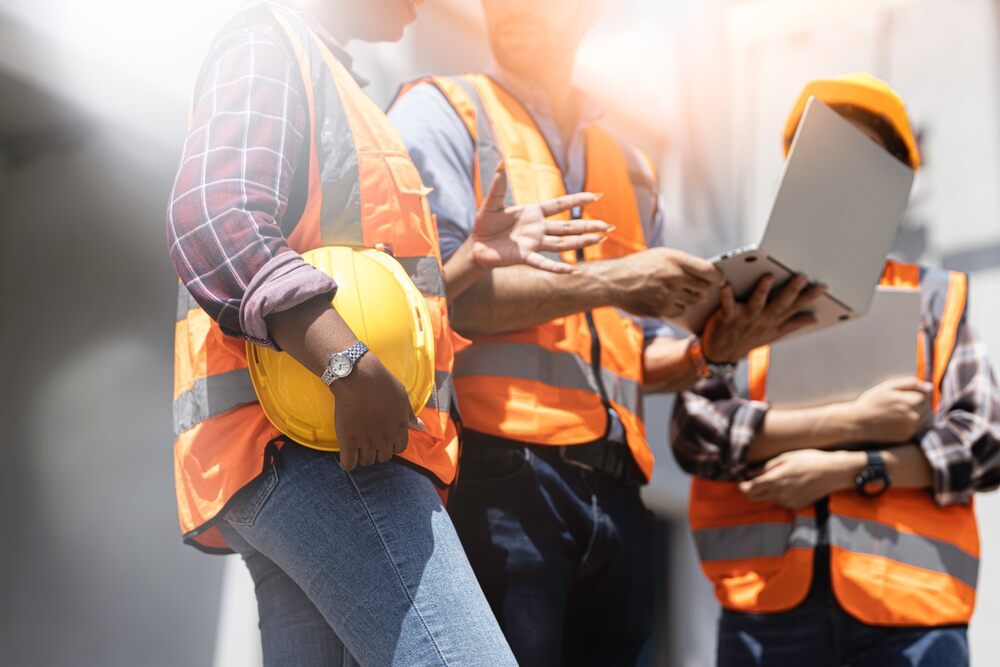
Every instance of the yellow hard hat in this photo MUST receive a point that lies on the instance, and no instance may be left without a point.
(385, 310)
(862, 91)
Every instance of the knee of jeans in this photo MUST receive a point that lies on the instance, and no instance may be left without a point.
(248, 501)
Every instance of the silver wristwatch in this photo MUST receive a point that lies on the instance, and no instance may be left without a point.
(341, 364)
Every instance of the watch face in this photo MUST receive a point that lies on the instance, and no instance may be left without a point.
(340, 365)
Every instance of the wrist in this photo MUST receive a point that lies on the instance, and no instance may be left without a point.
(847, 424)
(847, 465)
(602, 281)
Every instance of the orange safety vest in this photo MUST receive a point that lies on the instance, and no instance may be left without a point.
(896, 560)
(374, 197)
(553, 384)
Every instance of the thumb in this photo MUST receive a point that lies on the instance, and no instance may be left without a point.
(702, 268)
(494, 199)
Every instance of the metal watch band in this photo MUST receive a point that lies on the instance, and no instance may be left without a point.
(352, 354)
(355, 352)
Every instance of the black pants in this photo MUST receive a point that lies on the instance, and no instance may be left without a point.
(564, 556)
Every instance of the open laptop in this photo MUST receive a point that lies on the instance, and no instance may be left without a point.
(835, 217)
(839, 364)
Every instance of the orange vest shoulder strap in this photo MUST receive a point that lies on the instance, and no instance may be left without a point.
(945, 295)
(461, 94)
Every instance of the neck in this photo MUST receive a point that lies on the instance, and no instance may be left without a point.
(334, 15)
(557, 85)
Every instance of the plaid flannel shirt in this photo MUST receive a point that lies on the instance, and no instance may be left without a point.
(712, 427)
(230, 208)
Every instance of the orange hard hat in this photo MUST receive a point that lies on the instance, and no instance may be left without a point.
(862, 91)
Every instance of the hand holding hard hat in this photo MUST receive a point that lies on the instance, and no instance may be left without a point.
(385, 310)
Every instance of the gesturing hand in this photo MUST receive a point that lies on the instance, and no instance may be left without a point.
(373, 415)
(509, 235)
(736, 328)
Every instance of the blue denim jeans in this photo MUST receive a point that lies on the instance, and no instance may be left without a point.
(819, 633)
(564, 556)
(364, 564)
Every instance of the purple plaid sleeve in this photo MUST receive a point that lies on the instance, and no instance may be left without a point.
(712, 428)
(249, 129)
(963, 444)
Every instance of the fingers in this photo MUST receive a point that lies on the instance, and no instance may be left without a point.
(570, 227)
(542, 262)
(757, 301)
(796, 322)
(808, 297)
(348, 456)
(367, 456)
(727, 302)
(494, 200)
(567, 202)
(386, 452)
(911, 384)
(562, 243)
(787, 295)
(702, 269)
(696, 286)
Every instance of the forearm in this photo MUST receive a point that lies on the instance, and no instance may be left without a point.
(908, 467)
(514, 298)
(807, 428)
(461, 271)
(311, 332)
(667, 366)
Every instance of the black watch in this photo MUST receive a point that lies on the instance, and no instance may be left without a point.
(874, 480)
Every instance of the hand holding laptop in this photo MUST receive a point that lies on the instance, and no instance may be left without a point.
(736, 328)
(835, 215)
(660, 282)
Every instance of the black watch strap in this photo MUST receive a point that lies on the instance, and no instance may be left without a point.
(874, 480)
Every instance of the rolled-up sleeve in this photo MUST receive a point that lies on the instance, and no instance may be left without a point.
(711, 430)
(249, 128)
(963, 443)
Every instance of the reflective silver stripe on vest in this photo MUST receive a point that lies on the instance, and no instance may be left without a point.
(755, 540)
(487, 147)
(425, 272)
(525, 361)
(210, 397)
(185, 302)
(878, 539)
(444, 391)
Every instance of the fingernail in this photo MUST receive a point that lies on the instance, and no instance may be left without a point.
(502, 167)
(598, 196)
(611, 228)
(602, 240)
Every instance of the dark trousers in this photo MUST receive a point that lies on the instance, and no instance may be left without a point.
(819, 633)
(564, 555)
